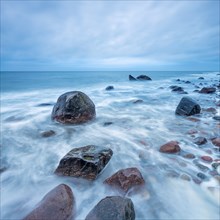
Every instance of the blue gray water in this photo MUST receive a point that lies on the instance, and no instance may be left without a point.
(137, 132)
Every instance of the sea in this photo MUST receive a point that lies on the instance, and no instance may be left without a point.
(135, 134)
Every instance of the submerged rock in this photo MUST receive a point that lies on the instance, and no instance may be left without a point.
(177, 89)
(108, 123)
(131, 78)
(48, 133)
(125, 179)
(73, 108)
(201, 78)
(113, 208)
(58, 204)
(216, 142)
(217, 117)
(200, 140)
(143, 77)
(86, 162)
(170, 147)
(108, 88)
(207, 90)
(45, 104)
(138, 101)
(187, 107)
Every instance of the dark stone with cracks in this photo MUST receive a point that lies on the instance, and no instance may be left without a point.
(125, 179)
(73, 108)
(113, 208)
(207, 90)
(188, 106)
(131, 78)
(58, 204)
(86, 162)
(143, 77)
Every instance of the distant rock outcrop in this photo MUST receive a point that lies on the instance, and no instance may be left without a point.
(58, 204)
(187, 107)
(113, 208)
(73, 108)
(143, 77)
(131, 78)
(86, 162)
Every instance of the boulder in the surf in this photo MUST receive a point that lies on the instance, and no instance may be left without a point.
(73, 108)
(207, 90)
(86, 162)
(143, 77)
(131, 78)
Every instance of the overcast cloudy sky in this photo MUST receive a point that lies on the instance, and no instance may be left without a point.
(110, 35)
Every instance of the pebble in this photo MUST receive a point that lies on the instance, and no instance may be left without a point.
(189, 156)
(207, 159)
(201, 176)
(185, 177)
(48, 133)
(200, 140)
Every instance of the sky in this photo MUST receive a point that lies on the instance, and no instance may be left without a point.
(110, 35)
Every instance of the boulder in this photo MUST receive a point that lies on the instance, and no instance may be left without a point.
(187, 106)
(58, 204)
(131, 78)
(177, 89)
(170, 147)
(108, 88)
(201, 78)
(216, 142)
(207, 90)
(73, 108)
(113, 208)
(143, 77)
(200, 140)
(86, 162)
(125, 179)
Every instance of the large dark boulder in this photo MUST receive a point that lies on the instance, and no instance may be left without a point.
(86, 162)
(108, 88)
(207, 90)
(113, 208)
(58, 204)
(188, 106)
(73, 108)
(131, 78)
(143, 77)
(125, 179)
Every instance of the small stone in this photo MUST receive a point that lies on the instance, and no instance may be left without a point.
(138, 101)
(189, 156)
(173, 174)
(86, 162)
(131, 78)
(108, 123)
(193, 119)
(217, 117)
(58, 204)
(178, 80)
(211, 110)
(187, 82)
(200, 140)
(216, 142)
(192, 131)
(201, 78)
(207, 90)
(185, 177)
(202, 167)
(113, 208)
(207, 159)
(48, 133)
(215, 165)
(197, 181)
(213, 172)
(45, 104)
(170, 147)
(125, 179)
(108, 88)
(201, 176)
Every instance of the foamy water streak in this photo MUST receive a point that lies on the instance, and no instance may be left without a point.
(135, 135)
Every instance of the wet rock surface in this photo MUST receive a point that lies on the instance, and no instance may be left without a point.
(86, 162)
(143, 77)
(108, 88)
(131, 78)
(125, 179)
(216, 142)
(114, 208)
(207, 90)
(170, 147)
(200, 140)
(73, 108)
(187, 107)
(58, 204)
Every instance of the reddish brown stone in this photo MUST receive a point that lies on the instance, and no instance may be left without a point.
(125, 179)
(216, 142)
(58, 204)
(207, 159)
(170, 147)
